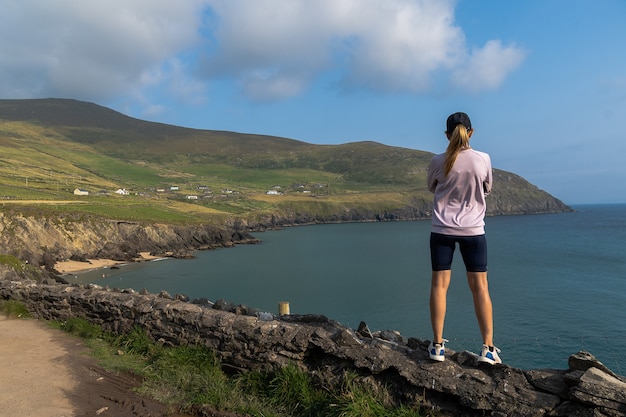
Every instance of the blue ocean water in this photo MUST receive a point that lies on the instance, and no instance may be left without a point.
(557, 281)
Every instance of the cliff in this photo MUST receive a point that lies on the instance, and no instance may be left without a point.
(43, 241)
(245, 339)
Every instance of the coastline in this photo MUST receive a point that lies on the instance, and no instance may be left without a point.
(75, 267)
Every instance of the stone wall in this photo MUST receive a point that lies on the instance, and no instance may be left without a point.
(245, 339)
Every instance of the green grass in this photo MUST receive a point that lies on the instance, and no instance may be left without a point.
(140, 211)
(47, 161)
(14, 309)
(190, 378)
(50, 147)
(23, 269)
(12, 262)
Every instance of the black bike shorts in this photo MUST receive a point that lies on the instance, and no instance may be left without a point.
(473, 250)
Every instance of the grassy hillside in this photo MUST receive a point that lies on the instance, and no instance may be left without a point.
(49, 148)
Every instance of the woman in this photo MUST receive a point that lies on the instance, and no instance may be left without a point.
(460, 179)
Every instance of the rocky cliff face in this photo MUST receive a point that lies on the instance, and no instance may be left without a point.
(44, 241)
(245, 339)
(507, 201)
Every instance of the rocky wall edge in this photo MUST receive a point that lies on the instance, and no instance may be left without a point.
(245, 339)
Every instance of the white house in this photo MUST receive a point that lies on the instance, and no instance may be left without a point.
(80, 191)
(122, 191)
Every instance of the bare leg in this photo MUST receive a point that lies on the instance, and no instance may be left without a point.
(438, 291)
(482, 304)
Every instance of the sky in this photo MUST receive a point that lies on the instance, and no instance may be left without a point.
(544, 81)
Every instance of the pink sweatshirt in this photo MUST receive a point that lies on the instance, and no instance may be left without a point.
(459, 204)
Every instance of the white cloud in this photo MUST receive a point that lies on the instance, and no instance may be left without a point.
(274, 48)
(100, 50)
(400, 45)
(487, 67)
(277, 47)
(90, 49)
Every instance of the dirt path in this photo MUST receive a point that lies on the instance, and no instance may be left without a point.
(46, 373)
(33, 379)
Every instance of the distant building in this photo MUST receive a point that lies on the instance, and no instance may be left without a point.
(272, 192)
(122, 191)
(192, 197)
(80, 191)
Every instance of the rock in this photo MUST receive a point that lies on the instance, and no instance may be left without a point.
(101, 410)
(364, 331)
(584, 360)
(390, 335)
(265, 316)
(223, 305)
(600, 389)
(182, 297)
(550, 381)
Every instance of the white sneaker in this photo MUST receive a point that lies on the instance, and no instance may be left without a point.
(437, 351)
(490, 355)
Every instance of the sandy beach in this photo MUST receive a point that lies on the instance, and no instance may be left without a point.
(73, 267)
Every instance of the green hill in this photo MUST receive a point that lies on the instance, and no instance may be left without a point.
(51, 147)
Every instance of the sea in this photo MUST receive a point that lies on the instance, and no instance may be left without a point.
(557, 281)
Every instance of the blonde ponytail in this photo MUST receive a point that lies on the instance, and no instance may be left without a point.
(459, 140)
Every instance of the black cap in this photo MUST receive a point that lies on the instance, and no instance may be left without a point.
(458, 118)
